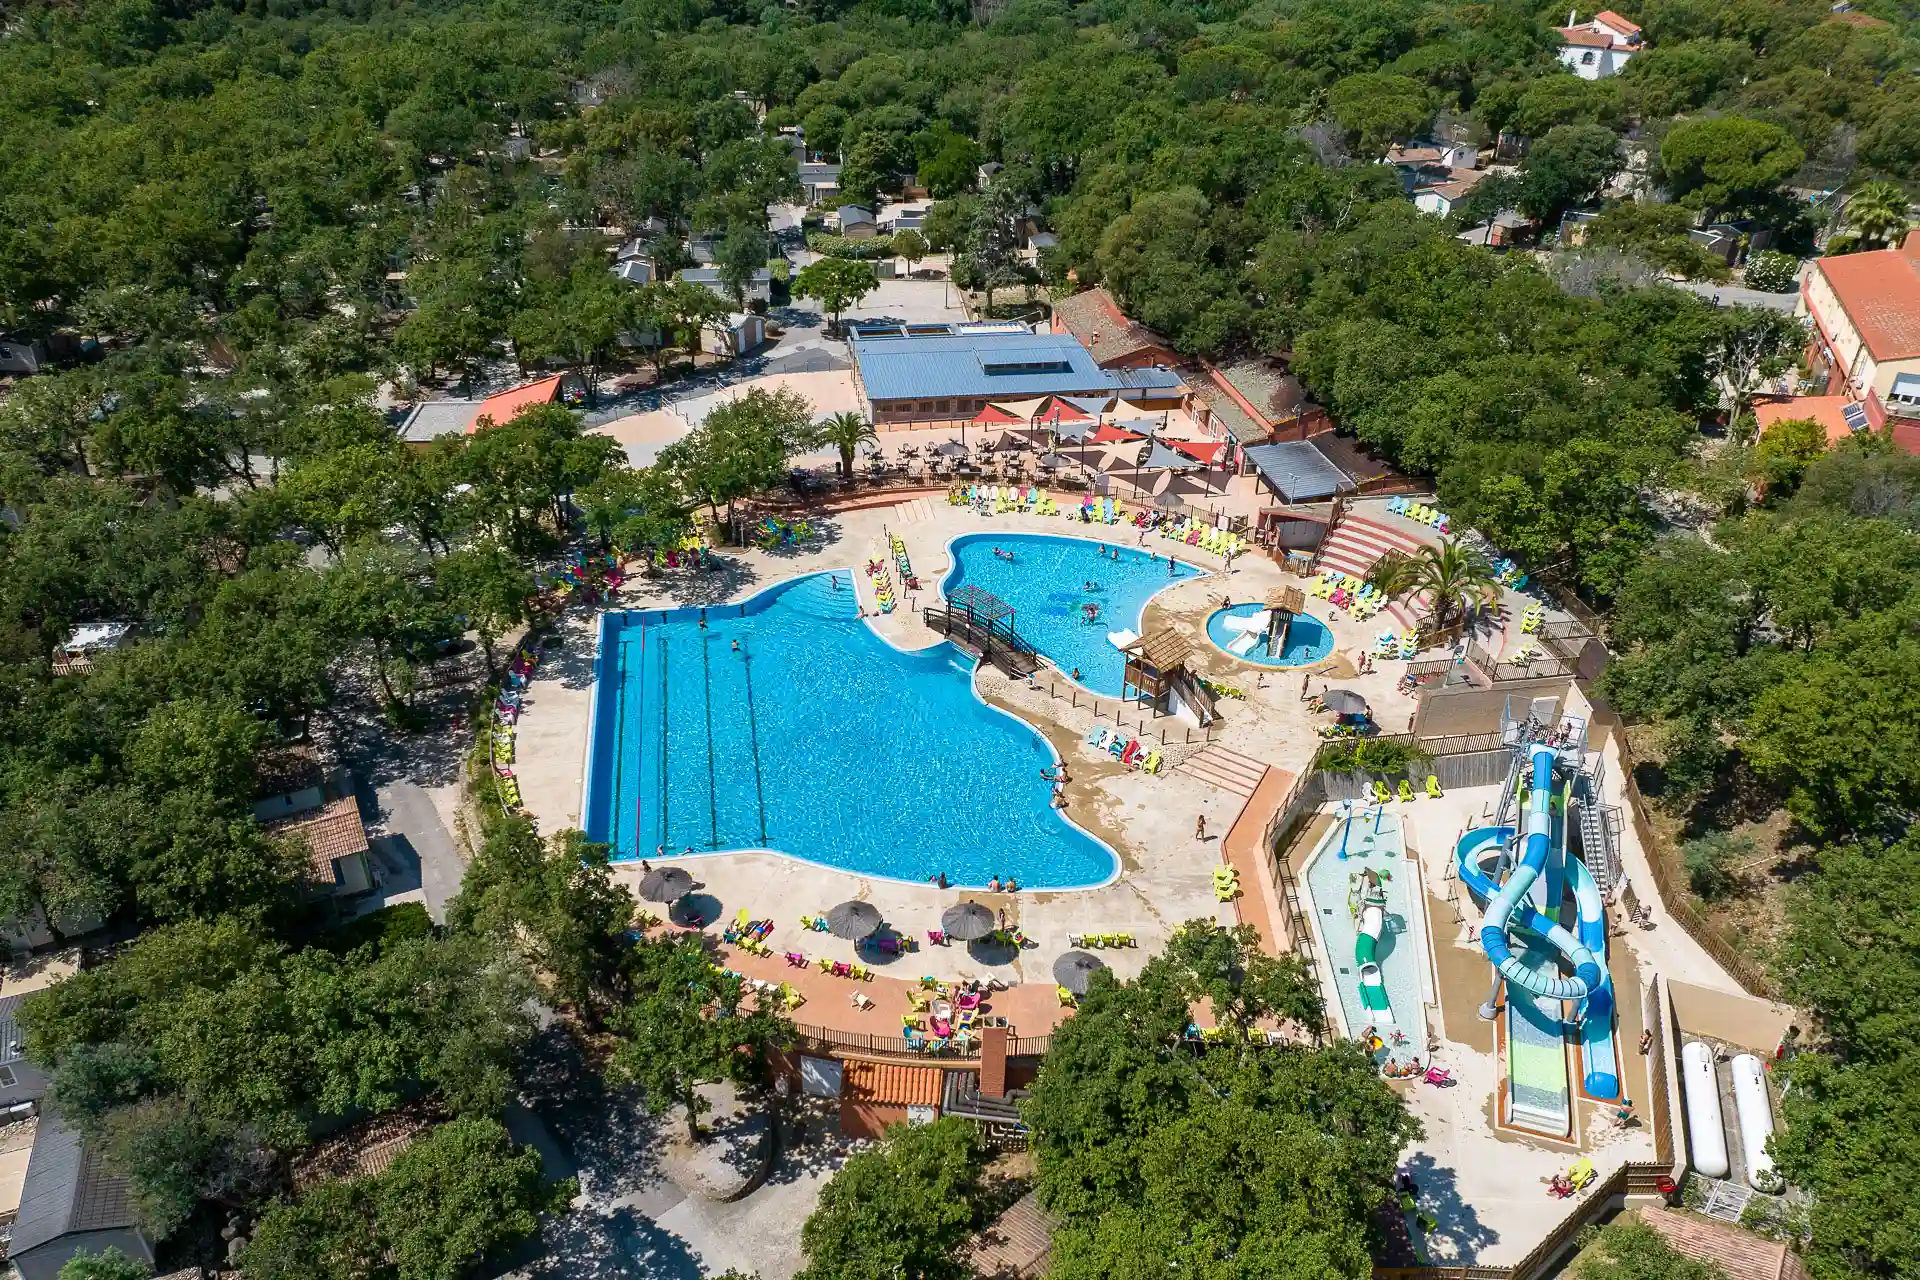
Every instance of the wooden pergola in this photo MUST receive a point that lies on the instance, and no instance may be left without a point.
(1153, 664)
(1283, 605)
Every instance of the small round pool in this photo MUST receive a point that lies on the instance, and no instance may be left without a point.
(1307, 638)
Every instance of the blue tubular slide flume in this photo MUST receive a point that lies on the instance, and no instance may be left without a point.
(1507, 907)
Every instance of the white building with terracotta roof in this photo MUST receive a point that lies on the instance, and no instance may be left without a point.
(1865, 344)
(1598, 47)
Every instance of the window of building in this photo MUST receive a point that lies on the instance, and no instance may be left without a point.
(943, 406)
(1586, 59)
(926, 406)
(7, 1078)
(1906, 389)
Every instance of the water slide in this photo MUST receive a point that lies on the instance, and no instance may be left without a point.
(1370, 903)
(1508, 905)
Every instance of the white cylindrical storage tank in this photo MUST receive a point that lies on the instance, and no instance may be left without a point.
(1754, 1111)
(1705, 1133)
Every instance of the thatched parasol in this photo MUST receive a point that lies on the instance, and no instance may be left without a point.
(967, 921)
(853, 920)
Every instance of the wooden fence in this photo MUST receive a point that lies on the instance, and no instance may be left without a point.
(1134, 717)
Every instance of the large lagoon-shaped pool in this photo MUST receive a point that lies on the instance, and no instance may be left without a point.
(1047, 584)
(785, 723)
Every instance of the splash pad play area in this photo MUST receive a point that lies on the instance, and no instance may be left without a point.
(1365, 894)
(1543, 929)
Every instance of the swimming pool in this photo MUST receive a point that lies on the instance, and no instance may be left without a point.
(1307, 638)
(816, 738)
(1373, 843)
(1046, 583)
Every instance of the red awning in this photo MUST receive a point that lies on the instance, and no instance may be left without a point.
(1206, 451)
(1109, 434)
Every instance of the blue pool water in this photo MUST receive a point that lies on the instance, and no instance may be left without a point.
(819, 740)
(1045, 582)
(1308, 639)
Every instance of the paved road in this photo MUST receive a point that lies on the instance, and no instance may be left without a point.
(1726, 295)
(415, 854)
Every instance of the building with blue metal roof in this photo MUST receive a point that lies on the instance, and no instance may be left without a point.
(934, 372)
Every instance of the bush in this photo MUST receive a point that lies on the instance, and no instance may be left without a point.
(1710, 860)
(842, 247)
(1771, 271)
(1365, 756)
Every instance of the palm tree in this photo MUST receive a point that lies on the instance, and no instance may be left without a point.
(1878, 212)
(1394, 573)
(847, 431)
(1452, 577)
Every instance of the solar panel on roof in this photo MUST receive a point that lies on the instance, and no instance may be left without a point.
(1855, 416)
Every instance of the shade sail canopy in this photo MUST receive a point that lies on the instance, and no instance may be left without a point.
(853, 920)
(1109, 434)
(995, 415)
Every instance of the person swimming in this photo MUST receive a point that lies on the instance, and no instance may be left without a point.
(994, 884)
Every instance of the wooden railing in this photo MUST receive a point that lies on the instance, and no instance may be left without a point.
(820, 1039)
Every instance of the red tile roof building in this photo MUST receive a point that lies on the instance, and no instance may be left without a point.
(1093, 317)
(336, 840)
(1864, 312)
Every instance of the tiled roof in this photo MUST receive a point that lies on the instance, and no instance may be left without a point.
(503, 407)
(1096, 320)
(1457, 184)
(1853, 18)
(892, 1084)
(1268, 387)
(364, 1149)
(1017, 1244)
(332, 831)
(1416, 155)
(1585, 39)
(1880, 293)
(1828, 411)
(68, 1189)
(1740, 1253)
(1618, 23)
(1241, 427)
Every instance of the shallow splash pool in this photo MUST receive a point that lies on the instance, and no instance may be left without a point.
(785, 723)
(1372, 841)
(1047, 582)
(1307, 638)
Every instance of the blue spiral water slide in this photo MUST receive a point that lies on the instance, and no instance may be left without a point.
(1507, 907)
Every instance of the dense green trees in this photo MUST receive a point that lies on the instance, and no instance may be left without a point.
(684, 1027)
(457, 1194)
(901, 1208)
(1155, 1155)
